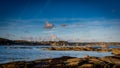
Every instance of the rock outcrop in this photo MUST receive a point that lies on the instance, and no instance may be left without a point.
(68, 62)
(116, 51)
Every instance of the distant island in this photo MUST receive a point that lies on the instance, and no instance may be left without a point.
(4, 41)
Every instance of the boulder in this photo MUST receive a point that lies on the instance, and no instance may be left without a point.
(86, 66)
(86, 56)
(116, 51)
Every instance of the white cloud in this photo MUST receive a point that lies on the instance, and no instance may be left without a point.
(84, 29)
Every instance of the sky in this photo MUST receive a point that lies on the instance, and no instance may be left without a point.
(72, 20)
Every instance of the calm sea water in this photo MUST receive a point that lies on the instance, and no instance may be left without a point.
(29, 53)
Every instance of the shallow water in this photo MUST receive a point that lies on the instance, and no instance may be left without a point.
(28, 53)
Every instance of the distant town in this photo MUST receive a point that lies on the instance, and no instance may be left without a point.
(4, 41)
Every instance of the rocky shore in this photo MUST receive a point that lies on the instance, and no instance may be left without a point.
(68, 62)
(115, 51)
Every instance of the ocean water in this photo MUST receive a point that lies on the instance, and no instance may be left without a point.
(29, 53)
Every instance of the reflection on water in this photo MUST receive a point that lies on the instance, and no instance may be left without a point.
(28, 53)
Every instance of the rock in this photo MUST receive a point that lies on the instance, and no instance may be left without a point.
(112, 60)
(86, 56)
(14, 65)
(59, 65)
(86, 66)
(72, 63)
(104, 50)
(41, 64)
(73, 60)
(94, 60)
(116, 51)
(116, 66)
(89, 49)
(68, 62)
(76, 61)
(49, 60)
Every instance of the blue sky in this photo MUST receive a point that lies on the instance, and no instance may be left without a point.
(85, 20)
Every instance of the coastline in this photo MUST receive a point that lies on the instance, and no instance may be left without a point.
(115, 51)
(68, 62)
